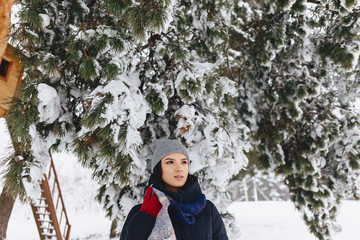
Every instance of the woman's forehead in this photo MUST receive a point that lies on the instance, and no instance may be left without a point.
(175, 155)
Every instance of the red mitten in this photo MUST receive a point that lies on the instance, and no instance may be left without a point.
(151, 204)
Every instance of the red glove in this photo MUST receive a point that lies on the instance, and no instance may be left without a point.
(151, 204)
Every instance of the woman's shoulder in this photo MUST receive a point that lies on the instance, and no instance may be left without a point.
(134, 209)
(210, 203)
(137, 206)
(210, 208)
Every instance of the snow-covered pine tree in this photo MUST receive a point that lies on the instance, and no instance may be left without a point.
(105, 78)
(297, 65)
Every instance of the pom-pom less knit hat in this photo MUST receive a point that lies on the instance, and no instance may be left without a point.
(163, 147)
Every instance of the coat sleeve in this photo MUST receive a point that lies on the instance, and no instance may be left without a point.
(138, 225)
(218, 227)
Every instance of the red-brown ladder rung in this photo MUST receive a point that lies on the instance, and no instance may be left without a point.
(45, 211)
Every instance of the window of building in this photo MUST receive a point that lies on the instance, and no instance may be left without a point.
(4, 69)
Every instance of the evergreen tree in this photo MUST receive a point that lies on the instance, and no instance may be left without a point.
(105, 78)
(297, 65)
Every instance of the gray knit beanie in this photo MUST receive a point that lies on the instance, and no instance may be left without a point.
(163, 147)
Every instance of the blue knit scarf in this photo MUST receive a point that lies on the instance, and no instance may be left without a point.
(185, 213)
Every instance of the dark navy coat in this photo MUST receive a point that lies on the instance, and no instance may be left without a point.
(208, 223)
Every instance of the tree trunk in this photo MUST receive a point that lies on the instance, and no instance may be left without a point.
(113, 233)
(7, 204)
(5, 9)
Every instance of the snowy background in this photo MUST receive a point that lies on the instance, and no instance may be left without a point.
(257, 220)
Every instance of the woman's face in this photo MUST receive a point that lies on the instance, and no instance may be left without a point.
(175, 170)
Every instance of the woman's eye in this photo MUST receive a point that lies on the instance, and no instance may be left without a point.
(169, 162)
(184, 162)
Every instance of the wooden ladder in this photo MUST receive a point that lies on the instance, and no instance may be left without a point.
(49, 206)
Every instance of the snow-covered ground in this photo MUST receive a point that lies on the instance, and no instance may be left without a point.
(257, 220)
(268, 220)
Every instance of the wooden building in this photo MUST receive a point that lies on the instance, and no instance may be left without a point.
(11, 72)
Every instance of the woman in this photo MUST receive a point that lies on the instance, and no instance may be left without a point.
(174, 206)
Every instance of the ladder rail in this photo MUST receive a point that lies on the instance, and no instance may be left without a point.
(56, 183)
(51, 208)
(38, 223)
(48, 208)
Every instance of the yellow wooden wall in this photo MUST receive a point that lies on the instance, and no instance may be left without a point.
(8, 86)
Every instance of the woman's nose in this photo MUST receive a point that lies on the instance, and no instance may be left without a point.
(178, 167)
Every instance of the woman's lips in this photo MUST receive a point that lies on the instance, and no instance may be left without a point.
(179, 177)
